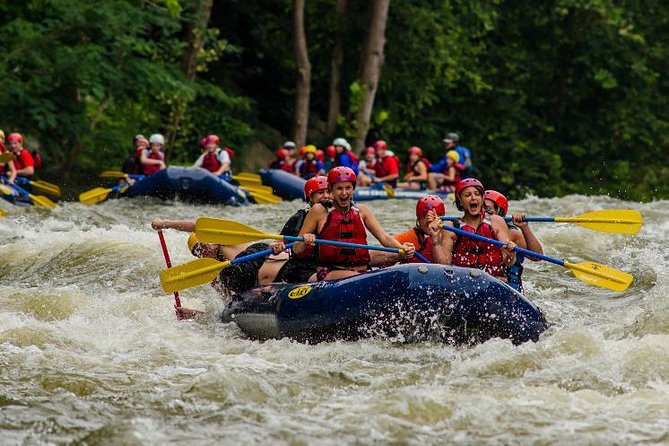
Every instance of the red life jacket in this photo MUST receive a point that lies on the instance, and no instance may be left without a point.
(473, 253)
(308, 169)
(211, 162)
(148, 169)
(349, 228)
(458, 175)
(288, 167)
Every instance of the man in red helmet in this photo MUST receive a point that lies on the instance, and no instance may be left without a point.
(473, 253)
(23, 161)
(519, 231)
(345, 222)
(213, 158)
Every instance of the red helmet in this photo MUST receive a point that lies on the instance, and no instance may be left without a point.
(499, 199)
(468, 182)
(380, 145)
(369, 151)
(340, 174)
(320, 156)
(202, 143)
(314, 185)
(331, 151)
(302, 151)
(14, 137)
(430, 202)
(213, 138)
(415, 150)
(281, 153)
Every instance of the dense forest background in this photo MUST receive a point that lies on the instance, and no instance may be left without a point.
(552, 97)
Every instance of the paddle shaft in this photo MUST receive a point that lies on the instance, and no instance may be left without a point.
(168, 262)
(523, 251)
(561, 220)
(353, 245)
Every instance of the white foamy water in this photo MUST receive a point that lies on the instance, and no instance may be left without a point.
(91, 352)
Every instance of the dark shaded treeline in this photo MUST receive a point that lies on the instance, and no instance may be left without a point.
(552, 97)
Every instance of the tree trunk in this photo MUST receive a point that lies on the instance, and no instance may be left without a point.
(371, 68)
(335, 74)
(303, 84)
(195, 30)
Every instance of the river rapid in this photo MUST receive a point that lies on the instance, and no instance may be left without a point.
(91, 351)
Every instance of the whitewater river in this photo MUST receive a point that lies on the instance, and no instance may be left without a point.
(91, 351)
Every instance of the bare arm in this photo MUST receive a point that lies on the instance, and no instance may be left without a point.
(310, 226)
(531, 240)
(179, 225)
(373, 225)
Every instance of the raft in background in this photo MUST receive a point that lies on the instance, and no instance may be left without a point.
(189, 184)
(412, 302)
(291, 187)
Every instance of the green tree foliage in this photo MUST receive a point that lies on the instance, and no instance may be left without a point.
(554, 97)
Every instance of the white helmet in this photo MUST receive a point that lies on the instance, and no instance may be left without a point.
(341, 142)
(157, 138)
(289, 145)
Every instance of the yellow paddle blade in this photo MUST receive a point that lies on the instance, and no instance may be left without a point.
(47, 188)
(94, 196)
(188, 275)
(601, 275)
(617, 221)
(258, 188)
(248, 177)
(228, 232)
(3, 213)
(5, 190)
(42, 201)
(6, 157)
(261, 198)
(389, 190)
(112, 174)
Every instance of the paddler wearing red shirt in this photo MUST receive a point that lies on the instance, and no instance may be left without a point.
(23, 161)
(347, 222)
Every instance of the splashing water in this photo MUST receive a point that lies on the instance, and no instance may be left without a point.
(91, 352)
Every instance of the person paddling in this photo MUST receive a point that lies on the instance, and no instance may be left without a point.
(416, 176)
(153, 159)
(214, 158)
(426, 236)
(8, 168)
(344, 221)
(277, 268)
(473, 253)
(23, 161)
(519, 231)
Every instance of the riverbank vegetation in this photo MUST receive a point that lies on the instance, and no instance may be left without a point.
(553, 98)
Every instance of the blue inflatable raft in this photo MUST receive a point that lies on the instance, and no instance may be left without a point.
(291, 187)
(411, 302)
(187, 184)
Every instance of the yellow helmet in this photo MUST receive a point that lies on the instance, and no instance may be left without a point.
(310, 149)
(192, 241)
(2, 135)
(452, 154)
